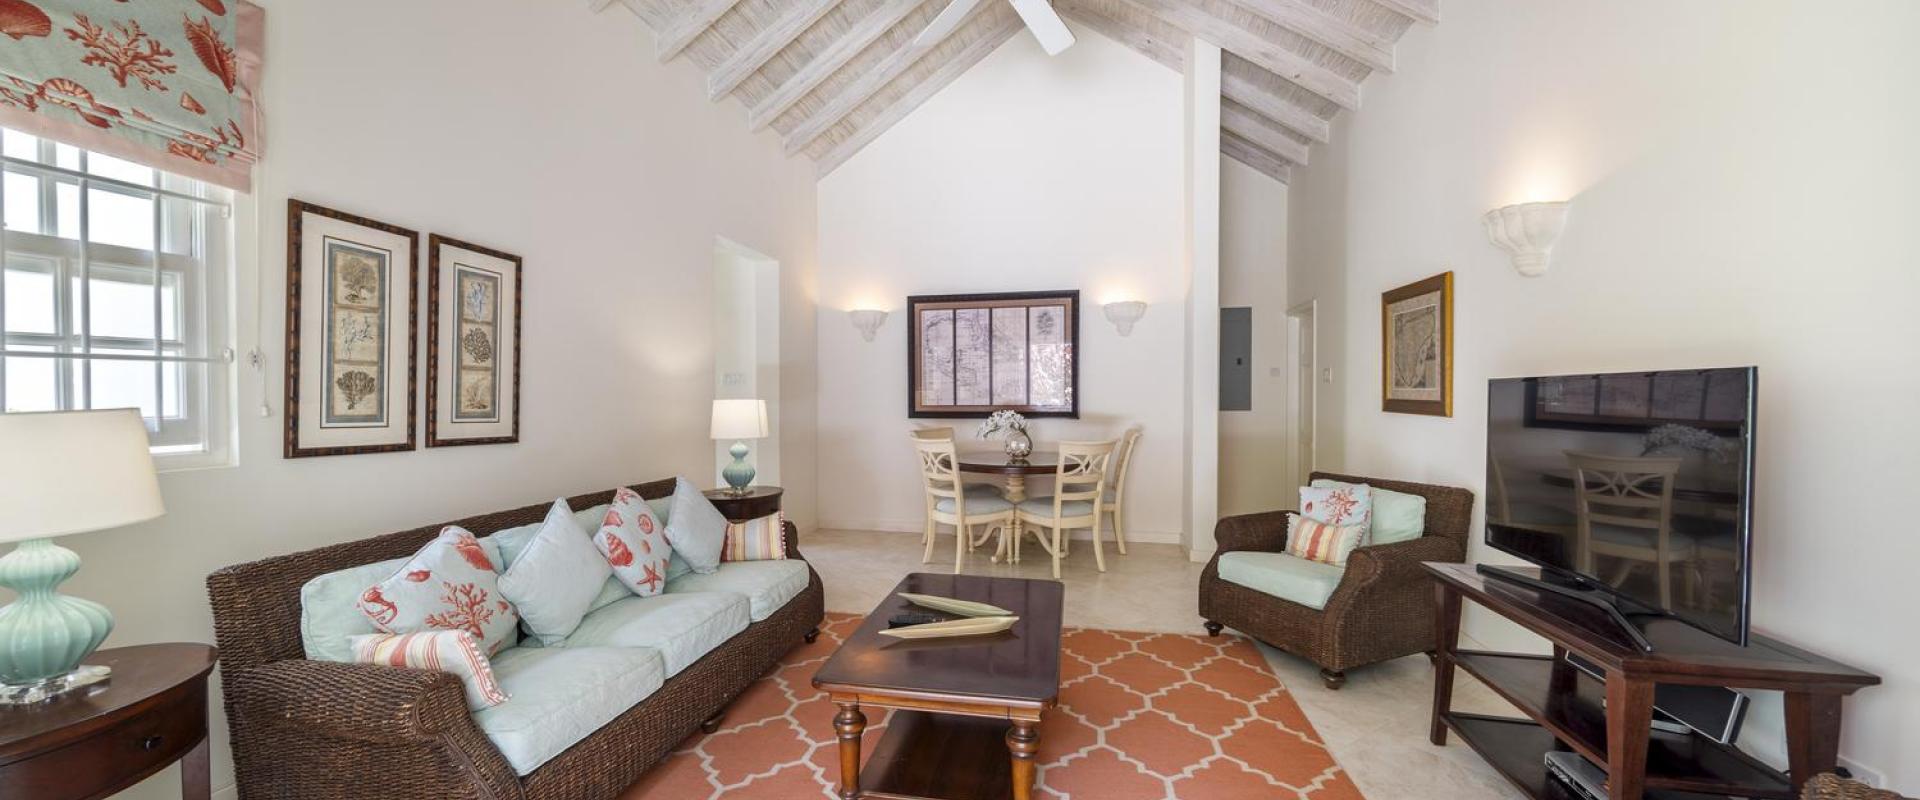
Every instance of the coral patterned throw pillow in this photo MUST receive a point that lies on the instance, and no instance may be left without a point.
(1345, 505)
(635, 544)
(763, 539)
(440, 651)
(449, 585)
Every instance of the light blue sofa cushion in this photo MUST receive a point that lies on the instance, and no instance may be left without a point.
(767, 585)
(556, 578)
(557, 696)
(697, 530)
(977, 505)
(1308, 583)
(329, 616)
(513, 540)
(1397, 516)
(683, 627)
(1043, 506)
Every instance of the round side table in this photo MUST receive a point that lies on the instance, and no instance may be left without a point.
(754, 503)
(99, 740)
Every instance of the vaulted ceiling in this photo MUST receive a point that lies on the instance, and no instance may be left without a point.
(831, 75)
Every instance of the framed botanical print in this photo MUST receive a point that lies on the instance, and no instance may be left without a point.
(1416, 342)
(969, 355)
(350, 333)
(473, 344)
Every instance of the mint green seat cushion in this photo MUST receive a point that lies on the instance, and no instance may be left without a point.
(977, 505)
(557, 696)
(1308, 583)
(1397, 516)
(1043, 506)
(983, 490)
(767, 585)
(329, 614)
(683, 627)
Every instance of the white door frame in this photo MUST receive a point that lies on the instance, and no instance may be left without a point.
(1303, 402)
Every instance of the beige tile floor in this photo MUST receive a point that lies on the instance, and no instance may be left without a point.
(1376, 725)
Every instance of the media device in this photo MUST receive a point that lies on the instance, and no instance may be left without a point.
(1714, 711)
(1631, 491)
(1585, 778)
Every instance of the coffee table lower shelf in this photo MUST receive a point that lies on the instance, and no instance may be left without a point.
(1517, 749)
(924, 756)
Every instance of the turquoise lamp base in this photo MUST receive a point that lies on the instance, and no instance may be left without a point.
(44, 635)
(738, 474)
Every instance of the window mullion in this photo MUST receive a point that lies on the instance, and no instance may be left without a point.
(159, 379)
(3, 287)
(86, 294)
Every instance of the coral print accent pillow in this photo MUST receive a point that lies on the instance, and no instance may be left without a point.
(440, 651)
(763, 539)
(1346, 505)
(635, 543)
(1318, 541)
(449, 585)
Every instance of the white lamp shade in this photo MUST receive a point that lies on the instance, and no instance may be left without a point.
(739, 419)
(74, 471)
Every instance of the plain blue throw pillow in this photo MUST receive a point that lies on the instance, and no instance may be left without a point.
(695, 528)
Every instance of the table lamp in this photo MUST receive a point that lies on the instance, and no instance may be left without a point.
(739, 420)
(62, 473)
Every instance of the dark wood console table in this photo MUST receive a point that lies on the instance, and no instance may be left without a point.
(1610, 721)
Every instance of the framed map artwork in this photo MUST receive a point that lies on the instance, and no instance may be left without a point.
(969, 355)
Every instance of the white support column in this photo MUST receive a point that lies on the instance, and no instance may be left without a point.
(1203, 296)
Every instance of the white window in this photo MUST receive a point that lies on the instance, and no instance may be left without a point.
(117, 293)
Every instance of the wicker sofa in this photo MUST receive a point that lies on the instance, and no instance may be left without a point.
(316, 729)
(1382, 606)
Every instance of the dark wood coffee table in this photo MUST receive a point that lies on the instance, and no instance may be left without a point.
(955, 701)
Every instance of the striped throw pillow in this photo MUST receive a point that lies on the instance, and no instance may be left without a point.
(1318, 541)
(440, 651)
(762, 539)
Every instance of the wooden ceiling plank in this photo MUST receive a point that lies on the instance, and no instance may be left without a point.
(597, 6)
(1004, 29)
(864, 87)
(681, 32)
(1280, 110)
(764, 45)
(828, 61)
(1170, 54)
(1251, 46)
(1427, 11)
(1342, 36)
(1241, 122)
(1252, 155)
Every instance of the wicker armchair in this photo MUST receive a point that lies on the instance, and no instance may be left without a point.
(1828, 786)
(1383, 607)
(313, 730)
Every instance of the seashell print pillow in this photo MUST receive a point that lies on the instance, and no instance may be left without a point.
(449, 585)
(634, 541)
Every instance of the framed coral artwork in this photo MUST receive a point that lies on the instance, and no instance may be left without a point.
(473, 344)
(350, 333)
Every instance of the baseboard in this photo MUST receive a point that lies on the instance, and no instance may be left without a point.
(916, 526)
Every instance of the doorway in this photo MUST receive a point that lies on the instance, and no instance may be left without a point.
(1303, 366)
(746, 347)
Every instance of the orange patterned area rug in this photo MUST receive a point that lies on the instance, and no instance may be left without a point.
(1142, 716)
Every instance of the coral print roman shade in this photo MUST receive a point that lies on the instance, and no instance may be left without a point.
(166, 83)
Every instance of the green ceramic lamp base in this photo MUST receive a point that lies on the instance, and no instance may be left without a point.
(738, 474)
(44, 635)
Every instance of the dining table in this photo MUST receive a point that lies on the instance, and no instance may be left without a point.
(1015, 472)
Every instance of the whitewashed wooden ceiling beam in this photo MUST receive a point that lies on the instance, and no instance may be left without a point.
(828, 61)
(927, 87)
(1272, 106)
(1251, 46)
(1250, 154)
(681, 32)
(1244, 123)
(1427, 11)
(597, 6)
(864, 87)
(773, 38)
(1171, 54)
(1344, 37)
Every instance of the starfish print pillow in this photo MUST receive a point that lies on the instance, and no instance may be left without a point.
(448, 585)
(635, 544)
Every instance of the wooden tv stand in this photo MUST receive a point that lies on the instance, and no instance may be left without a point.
(1610, 721)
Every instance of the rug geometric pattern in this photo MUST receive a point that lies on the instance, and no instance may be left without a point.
(1142, 716)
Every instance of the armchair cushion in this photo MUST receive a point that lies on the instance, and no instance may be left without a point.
(1308, 583)
(1397, 516)
(561, 695)
(766, 585)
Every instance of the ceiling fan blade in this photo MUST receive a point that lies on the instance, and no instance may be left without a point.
(955, 13)
(1045, 24)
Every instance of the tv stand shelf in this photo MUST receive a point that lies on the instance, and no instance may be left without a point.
(1609, 721)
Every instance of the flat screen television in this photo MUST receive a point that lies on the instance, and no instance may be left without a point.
(1632, 487)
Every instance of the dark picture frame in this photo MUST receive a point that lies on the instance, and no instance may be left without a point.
(389, 308)
(978, 333)
(1416, 348)
(436, 246)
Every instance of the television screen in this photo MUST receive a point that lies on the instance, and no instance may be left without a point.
(1638, 483)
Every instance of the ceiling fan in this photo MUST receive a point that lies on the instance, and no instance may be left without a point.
(1038, 14)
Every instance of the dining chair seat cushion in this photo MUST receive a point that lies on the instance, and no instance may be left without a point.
(983, 490)
(1043, 506)
(767, 585)
(683, 626)
(557, 696)
(1299, 580)
(981, 505)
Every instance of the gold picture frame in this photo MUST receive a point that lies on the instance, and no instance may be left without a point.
(1416, 348)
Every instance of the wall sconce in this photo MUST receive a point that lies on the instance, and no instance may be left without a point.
(1123, 314)
(1528, 232)
(867, 321)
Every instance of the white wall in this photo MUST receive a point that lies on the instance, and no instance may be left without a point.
(1027, 173)
(536, 128)
(1742, 177)
(1253, 274)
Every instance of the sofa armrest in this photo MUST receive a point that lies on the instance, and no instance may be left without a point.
(792, 536)
(1264, 532)
(1386, 566)
(363, 702)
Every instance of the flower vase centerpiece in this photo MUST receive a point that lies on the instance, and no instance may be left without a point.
(1009, 426)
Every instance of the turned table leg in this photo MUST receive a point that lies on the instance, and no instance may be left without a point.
(1016, 492)
(1023, 740)
(849, 724)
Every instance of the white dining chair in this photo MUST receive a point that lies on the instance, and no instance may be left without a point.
(1079, 485)
(1114, 503)
(950, 503)
(975, 489)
